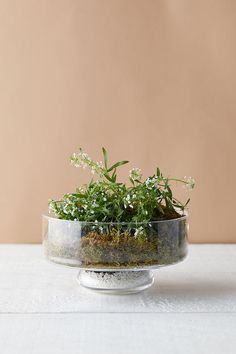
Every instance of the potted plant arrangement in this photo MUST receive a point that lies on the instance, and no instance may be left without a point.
(116, 232)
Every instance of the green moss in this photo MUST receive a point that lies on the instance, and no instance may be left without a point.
(116, 249)
(124, 250)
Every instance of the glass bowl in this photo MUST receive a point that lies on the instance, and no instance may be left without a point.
(115, 257)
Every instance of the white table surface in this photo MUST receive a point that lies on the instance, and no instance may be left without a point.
(191, 308)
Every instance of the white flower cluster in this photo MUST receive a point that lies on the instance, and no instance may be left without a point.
(80, 159)
(51, 206)
(83, 160)
(152, 182)
(189, 182)
(80, 190)
(140, 233)
(69, 206)
(135, 174)
(97, 168)
(128, 201)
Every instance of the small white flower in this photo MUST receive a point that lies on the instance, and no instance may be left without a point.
(51, 207)
(189, 182)
(82, 159)
(135, 174)
(93, 170)
(127, 202)
(139, 231)
(151, 182)
(80, 190)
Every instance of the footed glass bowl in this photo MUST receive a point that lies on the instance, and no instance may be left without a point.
(115, 257)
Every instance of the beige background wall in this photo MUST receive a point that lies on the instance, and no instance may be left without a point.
(153, 81)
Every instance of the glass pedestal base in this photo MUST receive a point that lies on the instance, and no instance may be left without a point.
(118, 282)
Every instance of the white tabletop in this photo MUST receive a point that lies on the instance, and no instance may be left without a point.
(191, 308)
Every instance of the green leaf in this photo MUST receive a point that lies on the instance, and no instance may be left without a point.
(108, 177)
(105, 157)
(79, 195)
(158, 172)
(120, 163)
(160, 208)
(169, 192)
(187, 202)
(131, 180)
(114, 176)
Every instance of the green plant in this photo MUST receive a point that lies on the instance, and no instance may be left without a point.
(104, 199)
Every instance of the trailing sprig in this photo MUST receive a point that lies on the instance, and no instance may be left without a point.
(82, 159)
(106, 200)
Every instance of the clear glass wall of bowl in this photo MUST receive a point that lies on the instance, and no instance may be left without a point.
(115, 246)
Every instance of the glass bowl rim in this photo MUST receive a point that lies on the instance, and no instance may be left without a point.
(183, 217)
